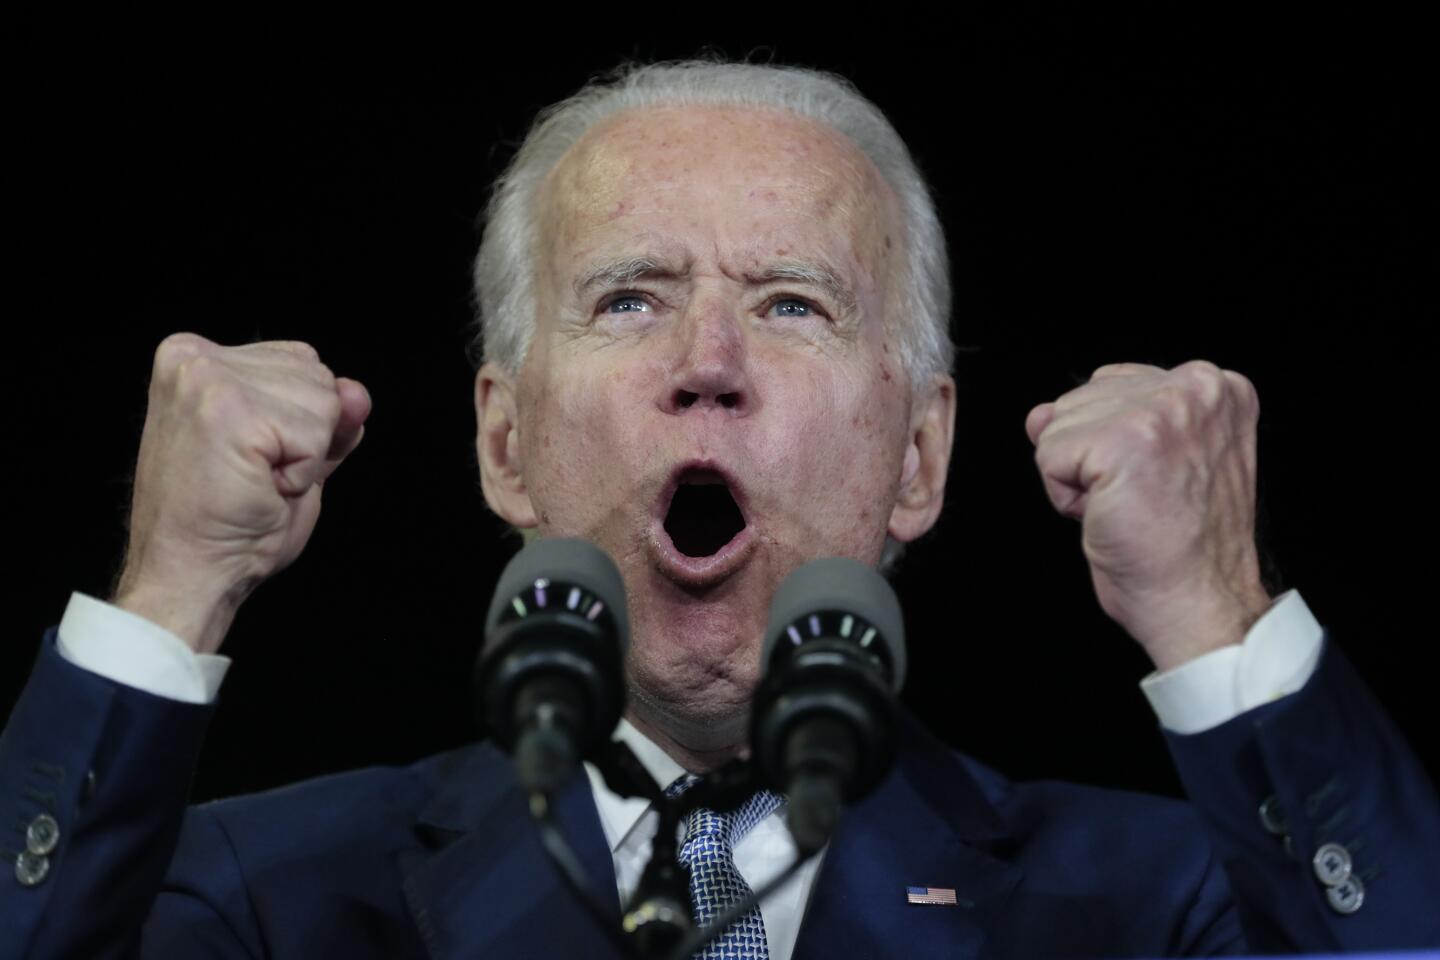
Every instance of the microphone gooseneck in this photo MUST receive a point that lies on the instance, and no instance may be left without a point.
(823, 722)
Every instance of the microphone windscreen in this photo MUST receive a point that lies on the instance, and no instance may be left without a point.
(840, 584)
(563, 560)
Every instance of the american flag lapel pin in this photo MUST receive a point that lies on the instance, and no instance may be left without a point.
(940, 896)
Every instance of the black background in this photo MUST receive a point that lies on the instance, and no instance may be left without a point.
(1151, 190)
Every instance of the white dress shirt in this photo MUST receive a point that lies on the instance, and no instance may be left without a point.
(1277, 657)
(761, 854)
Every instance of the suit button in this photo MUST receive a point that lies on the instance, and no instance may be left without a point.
(1346, 897)
(42, 835)
(1272, 817)
(1332, 865)
(31, 868)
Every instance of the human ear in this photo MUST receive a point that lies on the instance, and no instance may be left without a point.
(927, 461)
(497, 447)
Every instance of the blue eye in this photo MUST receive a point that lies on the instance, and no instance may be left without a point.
(627, 304)
(790, 307)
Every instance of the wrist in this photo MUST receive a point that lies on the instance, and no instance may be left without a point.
(199, 614)
(1198, 626)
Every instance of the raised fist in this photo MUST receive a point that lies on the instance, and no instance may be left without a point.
(237, 444)
(1159, 468)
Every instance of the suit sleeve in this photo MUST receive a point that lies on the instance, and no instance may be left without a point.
(1345, 854)
(94, 780)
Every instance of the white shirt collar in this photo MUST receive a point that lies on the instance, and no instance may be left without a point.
(619, 815)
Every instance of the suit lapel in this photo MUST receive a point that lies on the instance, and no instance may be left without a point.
(928, 824)
(483, 886)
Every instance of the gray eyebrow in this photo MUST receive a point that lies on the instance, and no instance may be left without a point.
(623, 271)
(629, 269)
(805, 271)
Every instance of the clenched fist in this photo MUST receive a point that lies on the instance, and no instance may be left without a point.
(237, 444)
(1159, 468)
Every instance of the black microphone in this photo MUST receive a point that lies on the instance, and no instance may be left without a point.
(824, 721)
(550, 677)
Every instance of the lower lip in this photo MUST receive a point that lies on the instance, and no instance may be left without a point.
(699, 572)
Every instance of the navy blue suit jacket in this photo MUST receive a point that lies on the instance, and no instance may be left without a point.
(439, 859)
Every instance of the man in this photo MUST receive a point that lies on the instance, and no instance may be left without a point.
(714, 302)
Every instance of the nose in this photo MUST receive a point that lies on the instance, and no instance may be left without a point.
(710, 369)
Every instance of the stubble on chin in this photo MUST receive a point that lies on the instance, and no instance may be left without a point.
(696, 693)
(700, 733)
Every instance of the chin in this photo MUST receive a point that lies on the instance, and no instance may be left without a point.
(697, 674)
(704, 721)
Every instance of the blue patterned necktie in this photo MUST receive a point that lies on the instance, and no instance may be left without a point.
(715, 884)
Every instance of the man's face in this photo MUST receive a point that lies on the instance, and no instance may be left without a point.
(713, 394)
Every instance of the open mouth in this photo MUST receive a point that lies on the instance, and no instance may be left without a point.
(703, 515)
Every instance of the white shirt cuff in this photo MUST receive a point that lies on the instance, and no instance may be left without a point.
(1277, 657)
(121, 646)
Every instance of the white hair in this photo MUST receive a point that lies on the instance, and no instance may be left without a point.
(504, 276)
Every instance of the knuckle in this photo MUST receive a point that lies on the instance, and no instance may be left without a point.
(218, 399)
(1119, 369)
(1201, 368)
(1174, 402)
(299, 347)
(1204, 379)
(1244, 389)
(195, 373)
(1146, 426)
(176, 349)
(1068, 401)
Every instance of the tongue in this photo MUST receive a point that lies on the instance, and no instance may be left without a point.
(702, 519)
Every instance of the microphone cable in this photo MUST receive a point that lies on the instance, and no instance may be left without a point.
(573, 872)
(559, 850)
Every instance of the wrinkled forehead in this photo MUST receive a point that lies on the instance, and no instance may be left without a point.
(761, 170)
